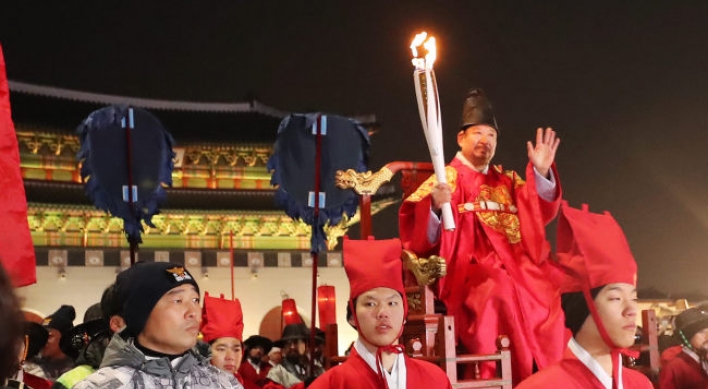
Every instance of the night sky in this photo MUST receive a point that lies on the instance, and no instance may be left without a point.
(625, 85)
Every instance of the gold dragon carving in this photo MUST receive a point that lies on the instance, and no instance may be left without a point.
(365, 183)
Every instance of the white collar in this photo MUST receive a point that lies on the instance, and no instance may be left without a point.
(469, 164)
(396, 378)
(593, 365)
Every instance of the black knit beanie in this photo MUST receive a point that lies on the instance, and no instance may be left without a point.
(62, 320)
(141, 286)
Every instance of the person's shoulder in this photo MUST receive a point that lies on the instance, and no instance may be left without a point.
(223, 379)
(107, 377)
(551, 375)
(636, 379)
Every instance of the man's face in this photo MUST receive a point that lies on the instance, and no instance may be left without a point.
(173, 324)
(478, 144)
(275, 356)
(379, 312)
(51, 350)
(226, 354)
(255, 354)
(294, 350)
(617, 307)
(699, 341)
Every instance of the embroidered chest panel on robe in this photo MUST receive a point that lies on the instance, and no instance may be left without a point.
(497, 186)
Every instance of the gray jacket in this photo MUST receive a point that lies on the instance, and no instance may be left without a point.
(125, 367)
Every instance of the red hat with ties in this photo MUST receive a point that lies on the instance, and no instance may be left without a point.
(373, 264)
(593, 252)
(221, 318)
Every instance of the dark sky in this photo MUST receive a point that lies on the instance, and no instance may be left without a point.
(625, 84)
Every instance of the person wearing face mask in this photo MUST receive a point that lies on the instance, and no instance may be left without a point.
(598, 278)
(688, 369)
(222, 327)
(497, 253)
(379, 307)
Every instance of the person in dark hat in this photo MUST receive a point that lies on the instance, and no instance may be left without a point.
(254, 370)
(379, 307)
(162, 314)
(598, 278)
(292, 371)
(53, 361)
(689, 368)
(87, 342)
(497, 252)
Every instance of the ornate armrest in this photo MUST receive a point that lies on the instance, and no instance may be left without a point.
(425, 270)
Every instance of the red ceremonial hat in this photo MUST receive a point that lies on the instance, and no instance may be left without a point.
(372, 264)
(221, 318)
(592, 250)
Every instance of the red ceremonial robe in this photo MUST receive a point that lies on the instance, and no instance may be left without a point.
(16, 248)
(355, 373)
(682, 372)
(497, 279)
(571, 373)
(251, 379)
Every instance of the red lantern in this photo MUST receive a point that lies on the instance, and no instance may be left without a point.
(326, 303)
(290, 315)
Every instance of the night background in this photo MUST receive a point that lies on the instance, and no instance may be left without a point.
(623, 83)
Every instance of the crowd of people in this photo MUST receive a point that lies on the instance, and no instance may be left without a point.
(570, 314)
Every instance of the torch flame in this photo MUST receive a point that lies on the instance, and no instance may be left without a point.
(428, 43)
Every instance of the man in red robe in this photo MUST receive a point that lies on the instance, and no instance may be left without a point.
(254, 371)
(599, 298)
(688, 368)
(379, 306)
(497, 282)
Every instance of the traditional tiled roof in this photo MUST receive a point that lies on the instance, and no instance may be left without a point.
(189, 122)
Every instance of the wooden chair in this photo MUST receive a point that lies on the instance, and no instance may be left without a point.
(427, 335)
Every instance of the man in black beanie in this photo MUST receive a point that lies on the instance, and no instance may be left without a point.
(53, 361)
(162, 314)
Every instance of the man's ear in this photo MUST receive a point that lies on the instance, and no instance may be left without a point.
(460, 137)
(352, 323)
(116, 323)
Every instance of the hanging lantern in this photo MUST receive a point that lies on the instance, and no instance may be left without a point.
(290, 315)
(327, 305)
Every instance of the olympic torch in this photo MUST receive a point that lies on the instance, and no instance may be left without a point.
(426, 91)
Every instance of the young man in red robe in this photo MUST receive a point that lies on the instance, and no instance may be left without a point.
(599, 298)
(497, 280)
(688, 369)
(379, 306)
(222, 328)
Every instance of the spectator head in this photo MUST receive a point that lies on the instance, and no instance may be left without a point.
(222, 327)
(160, 306)
(58, 324)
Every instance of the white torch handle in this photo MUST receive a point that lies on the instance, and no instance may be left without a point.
(432, 127)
